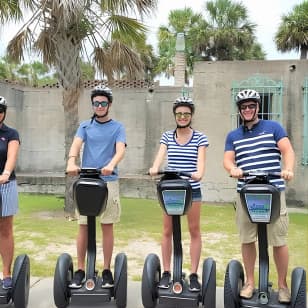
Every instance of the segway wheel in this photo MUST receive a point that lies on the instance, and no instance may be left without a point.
(21, 281)
(63, 275)
(209, 283)
(234, 280)
(120, 280)
(298, 288)
(150, 279)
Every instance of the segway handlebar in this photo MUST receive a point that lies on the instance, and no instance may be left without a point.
(262, 173)
(175, 172)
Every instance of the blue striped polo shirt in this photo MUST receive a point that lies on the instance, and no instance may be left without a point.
(257, 149)
(184, 157)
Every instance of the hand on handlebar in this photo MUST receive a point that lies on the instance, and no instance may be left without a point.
(107, 170)
(72, 170)
(236, 173)
(287, 175)
(196, 176)
(153, 171)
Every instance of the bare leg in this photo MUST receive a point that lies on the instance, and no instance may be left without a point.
(193, 217)
(82, 243)
(7, 244)
(166, 244)
(249, 258)
(108, 243)
(281, 258)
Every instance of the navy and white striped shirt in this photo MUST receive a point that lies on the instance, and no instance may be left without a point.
(257, 149)
(184, 157)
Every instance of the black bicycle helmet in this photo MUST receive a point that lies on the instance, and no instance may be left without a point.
(184, 101)
(247, 95)
(103, 91)
(3, 104)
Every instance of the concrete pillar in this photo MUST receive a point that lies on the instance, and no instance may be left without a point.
(179, 61)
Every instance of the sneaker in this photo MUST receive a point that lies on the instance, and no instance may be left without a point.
(107, 279)
(247, 291)
(7, 283)
(284, 295)
(194, 285)
(78, 279)
(165, 280)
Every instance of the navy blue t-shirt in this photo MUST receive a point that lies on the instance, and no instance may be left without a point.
(7, 134)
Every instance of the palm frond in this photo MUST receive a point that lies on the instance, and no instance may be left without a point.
(18, 44)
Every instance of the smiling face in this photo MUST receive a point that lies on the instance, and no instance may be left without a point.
(100, 106)
(183, 116)
(249, 111)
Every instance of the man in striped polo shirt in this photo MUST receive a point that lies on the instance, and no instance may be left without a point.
(260, 145)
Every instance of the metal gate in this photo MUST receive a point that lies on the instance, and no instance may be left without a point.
(271, 97)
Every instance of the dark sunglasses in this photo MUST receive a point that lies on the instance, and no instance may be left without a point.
(250, 106)
(103, 103)
(2, 110)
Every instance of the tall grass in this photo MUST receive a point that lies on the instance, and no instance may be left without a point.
(43, 232)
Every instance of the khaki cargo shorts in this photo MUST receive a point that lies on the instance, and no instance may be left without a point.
(113, 208)
(276, 232)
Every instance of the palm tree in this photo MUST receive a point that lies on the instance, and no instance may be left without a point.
(231, 33)
(12, 9)
(179, 21)
(63, 31)
(292, 33)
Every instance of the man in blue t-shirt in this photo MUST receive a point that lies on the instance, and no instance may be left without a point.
(104, 142)
(260, 144)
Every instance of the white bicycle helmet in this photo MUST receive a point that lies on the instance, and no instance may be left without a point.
(103, 91)
(184, 101)
(3, 102)
(247, 95)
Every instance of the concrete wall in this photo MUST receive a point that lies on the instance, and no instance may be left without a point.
(212, 94)
(38, 115)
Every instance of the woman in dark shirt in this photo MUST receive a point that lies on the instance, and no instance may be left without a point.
(9, 145)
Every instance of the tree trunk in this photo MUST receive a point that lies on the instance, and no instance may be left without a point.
(68, 68)
(304, 52)
(70, 104)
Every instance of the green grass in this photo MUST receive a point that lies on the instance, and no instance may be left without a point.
(43, 232)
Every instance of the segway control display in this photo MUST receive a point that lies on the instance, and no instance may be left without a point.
(259, 207)
(174, 201)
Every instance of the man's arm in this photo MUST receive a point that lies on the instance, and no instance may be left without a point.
(288, 157)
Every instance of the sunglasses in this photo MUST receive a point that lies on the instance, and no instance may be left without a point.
(250, 106)
(103, 103)
(2, 110)
(184, 115)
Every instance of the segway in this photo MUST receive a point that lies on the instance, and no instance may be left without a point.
(90, 193)
(175, 197)
(261, 200)
(19, 293)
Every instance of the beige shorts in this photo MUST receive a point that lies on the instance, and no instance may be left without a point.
(113, 209)
(276, 232)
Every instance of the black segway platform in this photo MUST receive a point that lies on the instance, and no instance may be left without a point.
(90, 195)
(175, 197)
(19, 293)
(261, 200)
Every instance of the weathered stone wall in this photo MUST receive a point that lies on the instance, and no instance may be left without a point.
(38, 115)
